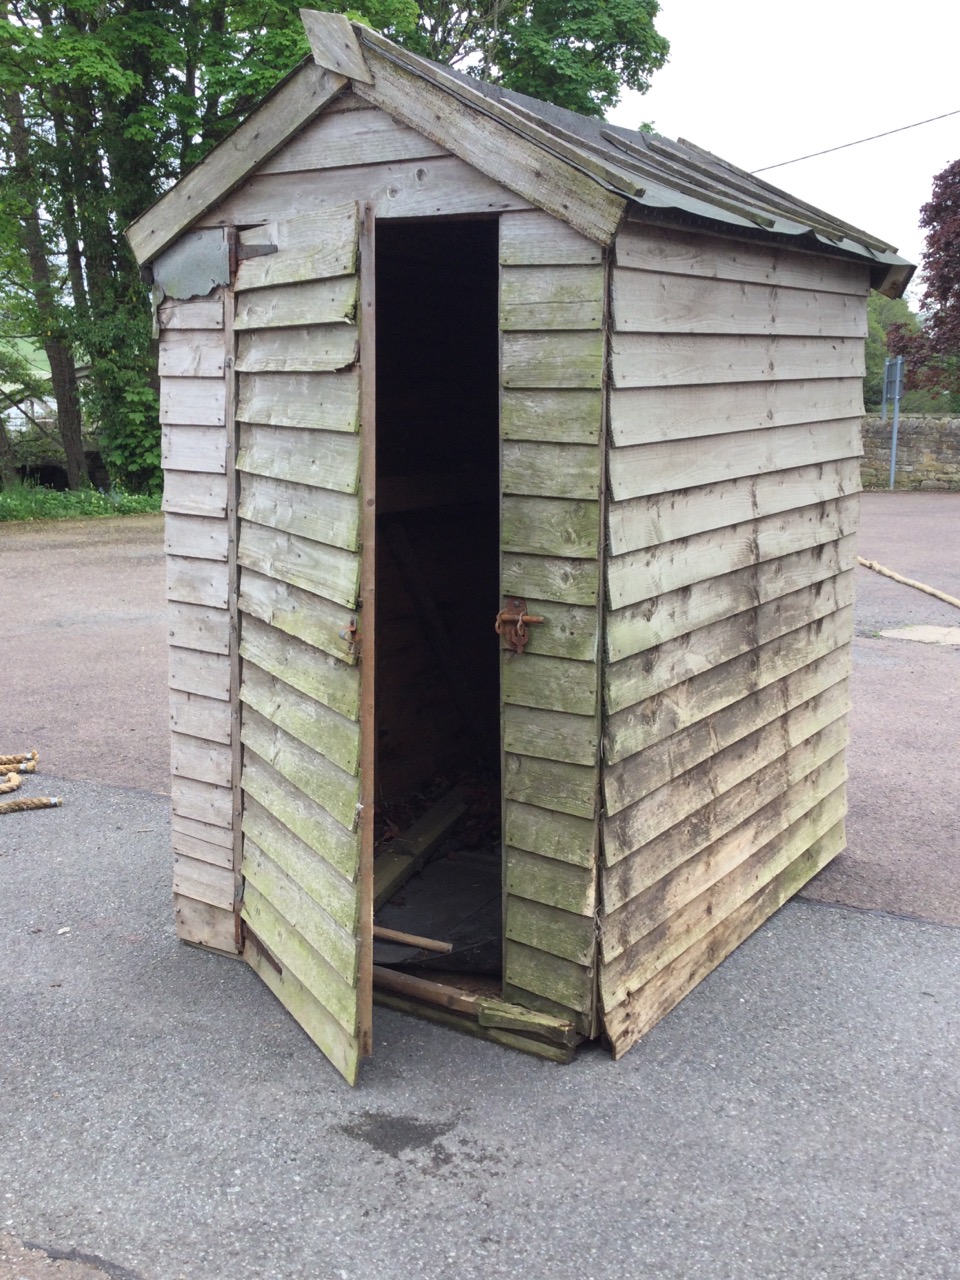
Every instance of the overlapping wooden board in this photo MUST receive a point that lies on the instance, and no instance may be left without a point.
(733, 475)
(194, 351)
(298, 553)
(552, 307)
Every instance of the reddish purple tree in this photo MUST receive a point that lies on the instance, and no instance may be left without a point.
(932, 355)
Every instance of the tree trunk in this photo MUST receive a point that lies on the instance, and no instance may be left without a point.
(63, 373)
(8, 463)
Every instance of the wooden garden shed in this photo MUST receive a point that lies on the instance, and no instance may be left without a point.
(434, 354)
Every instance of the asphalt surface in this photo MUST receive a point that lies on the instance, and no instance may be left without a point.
(161, 1117)
(903, 828)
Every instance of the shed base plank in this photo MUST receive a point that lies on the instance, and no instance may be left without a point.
(460, 1022)
(584, 1022)
(409, 852)
(635, 1016)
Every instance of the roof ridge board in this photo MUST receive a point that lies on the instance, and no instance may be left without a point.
(677, 162)
(585, 143)
(506, 113)
(850, 231)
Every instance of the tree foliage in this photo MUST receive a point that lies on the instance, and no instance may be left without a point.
(932, 352)
(579, 54)
(104, 103)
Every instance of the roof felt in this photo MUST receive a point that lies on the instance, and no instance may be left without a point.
(653, 176)
(656, 173)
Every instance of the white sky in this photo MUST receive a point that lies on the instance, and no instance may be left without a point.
(760, 81)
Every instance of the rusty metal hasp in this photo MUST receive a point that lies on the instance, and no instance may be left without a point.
(512, 622)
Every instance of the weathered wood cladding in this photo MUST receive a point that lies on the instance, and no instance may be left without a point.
(299, 564)
(553, 287)
(732, 469)
(193, 407)
(679, 441)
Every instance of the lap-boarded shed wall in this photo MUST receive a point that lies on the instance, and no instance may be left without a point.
(456, 349)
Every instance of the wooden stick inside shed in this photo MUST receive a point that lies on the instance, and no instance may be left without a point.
(412, 940)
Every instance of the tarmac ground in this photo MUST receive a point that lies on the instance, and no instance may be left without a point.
(161, 1118)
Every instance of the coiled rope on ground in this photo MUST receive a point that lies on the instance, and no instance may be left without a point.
(12, 767)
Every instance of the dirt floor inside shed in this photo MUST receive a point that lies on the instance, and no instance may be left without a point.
(84, 630)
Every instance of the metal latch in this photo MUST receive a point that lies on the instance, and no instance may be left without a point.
(512, 622)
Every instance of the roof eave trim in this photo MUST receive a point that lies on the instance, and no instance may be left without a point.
(294, 103)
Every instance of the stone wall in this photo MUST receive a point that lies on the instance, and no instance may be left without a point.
(928, 453)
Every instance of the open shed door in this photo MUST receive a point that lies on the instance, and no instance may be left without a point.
(306, 909)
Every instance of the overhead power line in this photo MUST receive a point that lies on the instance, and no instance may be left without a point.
(843, 146)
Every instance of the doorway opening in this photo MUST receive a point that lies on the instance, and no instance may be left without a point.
(438, 857)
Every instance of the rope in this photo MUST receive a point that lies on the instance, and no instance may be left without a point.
(908, 582)
(11, 767)
(38, 802)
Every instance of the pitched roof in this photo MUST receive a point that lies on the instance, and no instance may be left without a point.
(581, 169)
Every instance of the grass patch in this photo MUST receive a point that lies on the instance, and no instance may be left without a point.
(32, 502)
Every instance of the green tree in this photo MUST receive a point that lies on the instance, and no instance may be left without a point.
(887, 318)
(579, 54)
(932, 350)
(104, 103)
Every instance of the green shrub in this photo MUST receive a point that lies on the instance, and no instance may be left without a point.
(31, 502)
